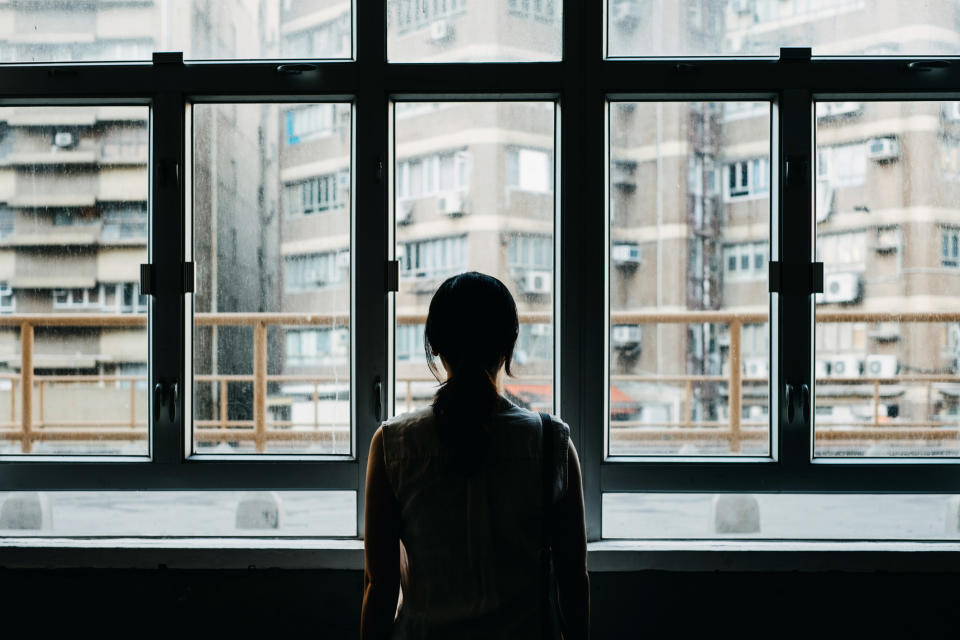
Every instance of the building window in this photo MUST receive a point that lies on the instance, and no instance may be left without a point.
(8, 300)
(91, 298)
(534, 344)
(432, 174)
(529, 170)
(317, 195)
(530, 252)
(409, 342)
(843, 251)
(316, 270)
(315, 347)
(412, 15)
(433, 258)
(312, 121)
(6, 221)
(747, 261)
(842, 165)
(123, 297)
(330, 39)
(542, 10)
(950, 248)
(747, 178)
(125, 222)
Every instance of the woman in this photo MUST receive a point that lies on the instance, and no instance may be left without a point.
(454, 506)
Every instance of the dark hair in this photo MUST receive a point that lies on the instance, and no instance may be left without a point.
(473, 324)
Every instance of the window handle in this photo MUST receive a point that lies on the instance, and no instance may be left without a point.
(805, 403)
(797, 399)
(788, 400)
(165, 393)
(378, 398)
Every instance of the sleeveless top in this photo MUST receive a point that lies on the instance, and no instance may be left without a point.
(470, 563)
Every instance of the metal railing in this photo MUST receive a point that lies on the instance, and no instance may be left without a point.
(34, 426)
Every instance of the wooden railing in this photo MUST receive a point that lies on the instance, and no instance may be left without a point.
(34, 426)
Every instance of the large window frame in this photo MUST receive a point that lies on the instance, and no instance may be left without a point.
(582, 84)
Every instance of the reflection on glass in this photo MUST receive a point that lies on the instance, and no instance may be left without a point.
(73, 232)
(178, 513)
(779, 516)
(689, 247)
(469, 31)
(107, 30)
(887, 233)
(474, 192)
(761, 27)
(271, 211)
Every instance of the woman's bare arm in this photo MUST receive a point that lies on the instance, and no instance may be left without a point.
(381, 575)
(570, 554)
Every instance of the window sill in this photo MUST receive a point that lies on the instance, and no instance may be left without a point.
(606, 556)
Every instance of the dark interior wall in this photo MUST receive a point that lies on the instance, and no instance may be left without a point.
(647, 604)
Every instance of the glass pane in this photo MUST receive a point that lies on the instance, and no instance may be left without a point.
(780, 516)
(272, 211)
(888, 384)
(470, 31)
(66, 173)
(108, 30)
(689, 245)
(482, 217)
(178, 513)
(761, 27)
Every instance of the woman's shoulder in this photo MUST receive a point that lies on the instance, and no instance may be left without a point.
(399, 432)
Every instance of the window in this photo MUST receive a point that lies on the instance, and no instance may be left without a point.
(125, 222)
(842, 165)
(315, 271)
(314, 121)
(631, 206)
(314, 347)
(317, 195)
(433, 258)
(529, 170)
(8, 300)
(432, 174)
(746, 261)
(747, 178)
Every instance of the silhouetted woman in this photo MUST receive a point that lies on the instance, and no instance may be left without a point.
(459, 485)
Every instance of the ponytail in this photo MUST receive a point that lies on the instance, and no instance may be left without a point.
(473, 324)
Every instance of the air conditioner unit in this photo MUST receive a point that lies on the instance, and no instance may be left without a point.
(881, 366)
(756, 367)
(63, 139)
(536, 282)
(452, 204)
(820, 369)
(824, 200)
(621, 174)
(887, 240)
(625, 254)
(625, 335)
(540, 329)
(885, 331)
(883, 149)
(838, 109)
(841, 287)
(951, 111)
(404, 212)
(847, 366)
(439, 30)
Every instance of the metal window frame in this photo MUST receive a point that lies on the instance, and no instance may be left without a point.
(582, 84)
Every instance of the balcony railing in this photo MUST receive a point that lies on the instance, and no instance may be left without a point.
(31, 426)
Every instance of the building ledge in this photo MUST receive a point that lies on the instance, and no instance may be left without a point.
(606, 556)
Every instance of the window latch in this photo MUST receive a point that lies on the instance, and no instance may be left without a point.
(148, 279)
(393, 276)
(779, 283)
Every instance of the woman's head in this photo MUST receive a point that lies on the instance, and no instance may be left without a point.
(472, 324)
